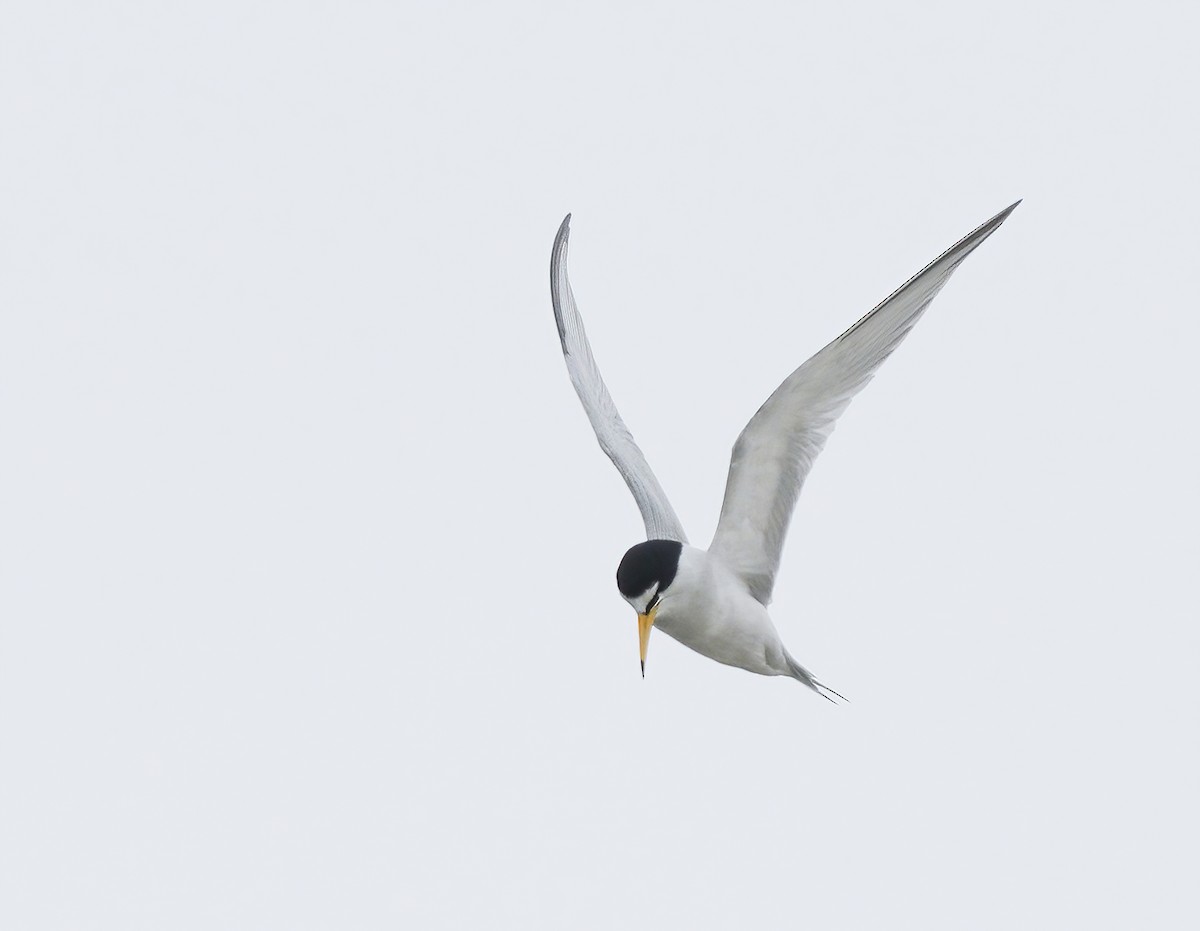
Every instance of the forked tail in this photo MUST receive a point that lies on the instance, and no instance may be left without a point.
(799, 672)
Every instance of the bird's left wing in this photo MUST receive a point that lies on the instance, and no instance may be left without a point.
(773, 455)
(615, 438)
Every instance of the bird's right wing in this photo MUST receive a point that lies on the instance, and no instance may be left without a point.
(615, 438)
(773, 455)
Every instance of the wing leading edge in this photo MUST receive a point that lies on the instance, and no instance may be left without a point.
(614, 437)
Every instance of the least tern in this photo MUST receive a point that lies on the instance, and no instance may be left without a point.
(715, 601)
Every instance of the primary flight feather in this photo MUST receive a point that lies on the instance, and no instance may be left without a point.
(715, 601)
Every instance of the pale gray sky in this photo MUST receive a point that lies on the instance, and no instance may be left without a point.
(307, 611)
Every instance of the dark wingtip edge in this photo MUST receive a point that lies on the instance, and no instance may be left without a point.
(564, 232)
(986, 229)
(959, 251)
(558, 255)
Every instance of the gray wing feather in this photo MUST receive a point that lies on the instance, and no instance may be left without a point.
(773, 455)
(615, 438)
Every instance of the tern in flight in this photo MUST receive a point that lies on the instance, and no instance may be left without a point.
(715, 601)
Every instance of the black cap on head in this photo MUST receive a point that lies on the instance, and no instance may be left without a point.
(647, 563)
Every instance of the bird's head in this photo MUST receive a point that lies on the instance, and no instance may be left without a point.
(643, 578)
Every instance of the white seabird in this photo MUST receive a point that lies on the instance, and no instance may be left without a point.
(715, 601)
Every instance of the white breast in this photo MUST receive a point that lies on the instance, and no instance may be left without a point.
(708, 609)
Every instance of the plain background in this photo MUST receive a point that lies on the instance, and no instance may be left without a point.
(307, 612)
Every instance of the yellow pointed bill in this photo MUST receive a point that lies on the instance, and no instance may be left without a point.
(645, 622)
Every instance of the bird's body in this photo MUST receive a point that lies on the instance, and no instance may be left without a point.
(715, 601)
(708, 609)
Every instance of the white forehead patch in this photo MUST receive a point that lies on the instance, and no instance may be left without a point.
(642, 601)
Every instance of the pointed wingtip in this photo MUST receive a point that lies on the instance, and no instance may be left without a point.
(563, 234)
(1003, 214)
(961, 249)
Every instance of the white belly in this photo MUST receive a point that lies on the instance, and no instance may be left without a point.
(710, 611)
